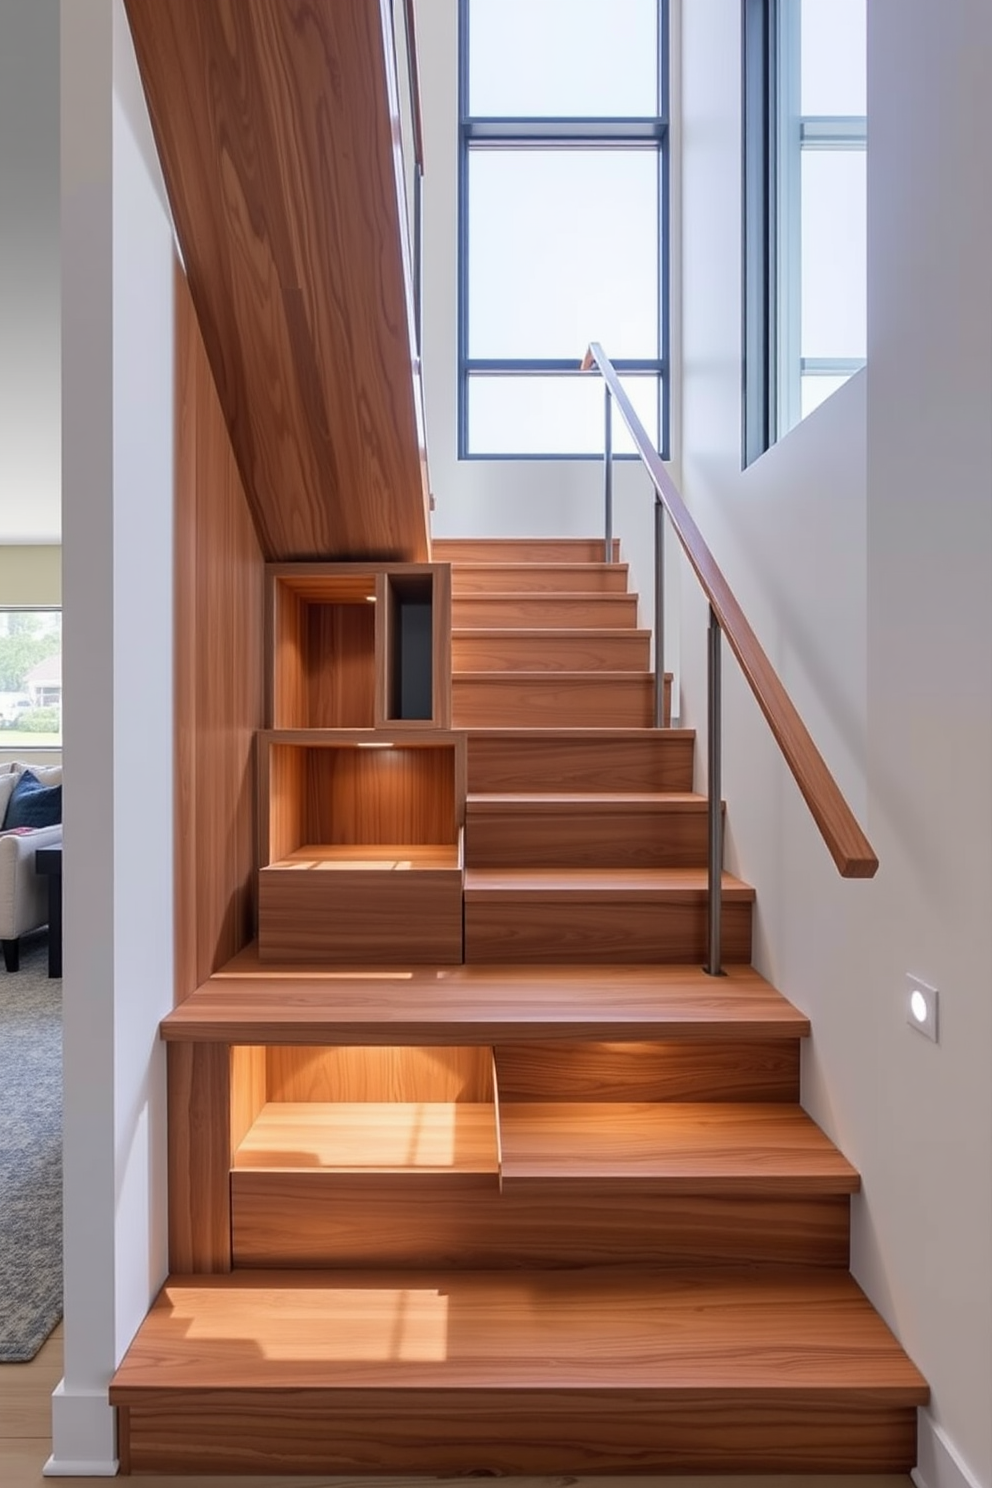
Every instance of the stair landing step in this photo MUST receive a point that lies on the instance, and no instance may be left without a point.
(253, 1002)
(456, 1139)
(671, 1148)
(596, 885)
(610, 1369)
(736, 1333)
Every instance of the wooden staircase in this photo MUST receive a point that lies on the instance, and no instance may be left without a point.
(554, 1210)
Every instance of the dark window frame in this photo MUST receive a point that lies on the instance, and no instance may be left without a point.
(763, 271)
(523, 133)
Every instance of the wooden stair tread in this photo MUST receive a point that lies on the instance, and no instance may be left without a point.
(750, 1335)
(675, 885)
(520, 549)
(544, 734)
(249, 1001)
(553, 679)
(375, 856)
(669, 1147)
(592, 801)
(374, 1137)
(548, 632)
(509, 567)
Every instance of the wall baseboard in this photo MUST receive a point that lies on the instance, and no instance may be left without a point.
(84, 1435)
(939, 1463)
(56, 1467)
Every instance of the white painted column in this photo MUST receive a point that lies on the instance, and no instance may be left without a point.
(117, 359)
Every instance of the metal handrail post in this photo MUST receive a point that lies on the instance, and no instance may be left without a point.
(659, 614)
(608, 474)
(713, 967)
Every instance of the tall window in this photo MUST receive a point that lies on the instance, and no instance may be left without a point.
(805, 125)
(563, 218)
(30, 678)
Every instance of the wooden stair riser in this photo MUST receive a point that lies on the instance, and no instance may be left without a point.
(521, 550)
(314, 1220)
(553, 578)
(554, 699)
(550, 650)
(521, 1432)
(612, 610)
(540, 834)
(546, 933)
(345, 918)
(674, 1070)
(518, 760)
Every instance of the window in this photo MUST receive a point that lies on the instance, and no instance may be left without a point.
(563, 217)
(805, 141)
(30, 678)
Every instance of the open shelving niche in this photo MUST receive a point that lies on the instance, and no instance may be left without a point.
(361, 780)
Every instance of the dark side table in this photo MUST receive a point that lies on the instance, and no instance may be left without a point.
(48, 860)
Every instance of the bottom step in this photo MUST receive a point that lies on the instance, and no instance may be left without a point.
(602, 1370)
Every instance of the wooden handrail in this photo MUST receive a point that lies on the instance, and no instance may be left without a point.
(848, 845)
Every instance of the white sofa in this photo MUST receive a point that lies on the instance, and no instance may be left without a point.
(23, 892)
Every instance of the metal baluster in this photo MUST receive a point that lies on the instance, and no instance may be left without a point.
(713, 967)
(608, 474)
(659, 614)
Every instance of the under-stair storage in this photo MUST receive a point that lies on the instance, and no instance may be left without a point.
(356, 645)
(361, 847)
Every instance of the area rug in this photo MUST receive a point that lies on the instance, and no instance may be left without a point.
(30, 1153)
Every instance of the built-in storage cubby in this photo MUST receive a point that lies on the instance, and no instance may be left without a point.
(352, 1155)
(361, 846)
(355, 645)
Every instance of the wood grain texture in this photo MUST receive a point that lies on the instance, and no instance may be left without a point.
(593, 760)
(555, 699)
(381, 795)
(297, 1219)
(340, 666)
(738, 1070)
(373, 1138)
(550, 650)
(392, 1073)
(249, 1089)
(282, 800)
(583, 830)
(505, 611)
(790, 1333)
(847, 844)
(670, 1147)
(573, 930)
(200, 1103)
(218, 673)
(520, 1432)
(522, 549)
(537, 578)
(348, 915)
(274, 128)
(251, 1001)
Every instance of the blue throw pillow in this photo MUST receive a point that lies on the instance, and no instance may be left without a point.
(32, 804)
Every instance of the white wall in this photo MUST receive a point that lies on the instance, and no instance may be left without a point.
(861, 547)
(30, 453)
(117, 340)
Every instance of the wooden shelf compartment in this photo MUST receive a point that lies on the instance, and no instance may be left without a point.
(397, 1139)
(361, 846)
(359, 645)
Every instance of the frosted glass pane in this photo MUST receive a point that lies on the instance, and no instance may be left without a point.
(834, 259)
(561, 58)
(816, 390)
(834, 57)
(563, 250)
(552, 415)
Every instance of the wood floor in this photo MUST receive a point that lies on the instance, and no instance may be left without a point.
(25, 1445)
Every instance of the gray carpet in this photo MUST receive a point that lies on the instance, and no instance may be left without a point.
(30, 1153)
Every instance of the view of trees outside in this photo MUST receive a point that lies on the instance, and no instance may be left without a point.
(30, 678)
